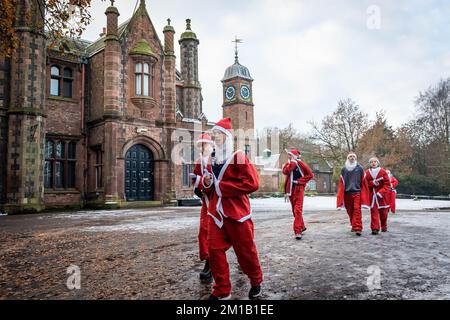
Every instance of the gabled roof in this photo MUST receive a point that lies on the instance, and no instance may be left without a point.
(70, 45)
(99, 44)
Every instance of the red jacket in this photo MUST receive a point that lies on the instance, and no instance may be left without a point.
(228, 195)
(200, 167)
(379, 194)
(364, 192)
(394, 183)
(288, 171)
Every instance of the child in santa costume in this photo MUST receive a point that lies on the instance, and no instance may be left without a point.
(393, 191)
(230, 224)
(203, 166)
(297, 176)
(379, 187)
(353, 192)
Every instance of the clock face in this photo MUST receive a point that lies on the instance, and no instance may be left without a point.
(230, 92)
(245, 92)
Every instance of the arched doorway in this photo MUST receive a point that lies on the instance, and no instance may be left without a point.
(139, 182)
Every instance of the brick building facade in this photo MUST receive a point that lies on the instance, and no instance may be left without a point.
(97, 124)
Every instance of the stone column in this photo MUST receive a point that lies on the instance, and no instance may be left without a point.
(26, 113)
(112, 107)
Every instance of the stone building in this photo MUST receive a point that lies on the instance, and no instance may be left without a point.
(97, 124)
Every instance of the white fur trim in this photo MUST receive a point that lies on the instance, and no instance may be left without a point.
(204, 141)
(218, 222)
(197, 182)
(223, 130)
(243, 219)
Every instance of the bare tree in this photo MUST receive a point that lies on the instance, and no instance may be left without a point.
(434, 111)
(341, 131)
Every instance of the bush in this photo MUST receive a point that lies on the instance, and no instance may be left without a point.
(415, 184)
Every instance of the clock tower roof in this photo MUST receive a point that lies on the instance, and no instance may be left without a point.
(237, 70)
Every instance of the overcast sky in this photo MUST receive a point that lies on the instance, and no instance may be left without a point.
(305, 55)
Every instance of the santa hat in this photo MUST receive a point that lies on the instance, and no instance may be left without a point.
(374, 158)
(352, 153)
(205, 138)
(224, 126)
(295, 152)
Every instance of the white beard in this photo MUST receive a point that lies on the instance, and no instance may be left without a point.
(374, 172)
(350, 166)
(225, 151)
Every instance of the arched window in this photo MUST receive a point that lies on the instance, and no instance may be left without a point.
(61, 82)
(143, 79)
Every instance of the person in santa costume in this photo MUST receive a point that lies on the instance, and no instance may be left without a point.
(379, 187)
(203, 166)
(297, 175)
(230, 224)
(353, 192)
(393, 191)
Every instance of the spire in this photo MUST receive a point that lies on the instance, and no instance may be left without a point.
(236, 53)
(188, 34)
(142, 3)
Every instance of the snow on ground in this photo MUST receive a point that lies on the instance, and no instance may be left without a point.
(100, 214)
(329, 203)
(170, 219)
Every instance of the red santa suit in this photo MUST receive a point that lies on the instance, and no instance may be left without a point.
(379, 184)
(203, 166)
(353, 193)
(230, 223)
(393, 193)
(297, 175)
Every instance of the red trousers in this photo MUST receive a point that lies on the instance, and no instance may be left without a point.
(378, 217)
(296, 199)
(392, 200)
(203, 232)
(352, 202)
(238, 235)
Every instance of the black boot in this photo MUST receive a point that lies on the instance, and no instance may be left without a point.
(206, 273)
(375, 232)
(255, 292)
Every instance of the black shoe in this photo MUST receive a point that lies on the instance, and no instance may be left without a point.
(255, 292)
(298, 236)
(383, 230)
(358, 233)
(206, 273)
(375, 232)
(214, 298)
(304, 229)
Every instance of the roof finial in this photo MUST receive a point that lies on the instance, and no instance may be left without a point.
(236, 41)
(188, 24)
(112, 3)
(142, 3)
(168, 21)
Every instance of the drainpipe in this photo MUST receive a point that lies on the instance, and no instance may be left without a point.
(83, 62)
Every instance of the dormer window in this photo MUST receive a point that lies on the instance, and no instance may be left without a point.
(143, 79)
(61, 82)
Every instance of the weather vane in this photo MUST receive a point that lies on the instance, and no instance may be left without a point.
(236, 41)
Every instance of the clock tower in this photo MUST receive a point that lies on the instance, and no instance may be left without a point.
(238, 104)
